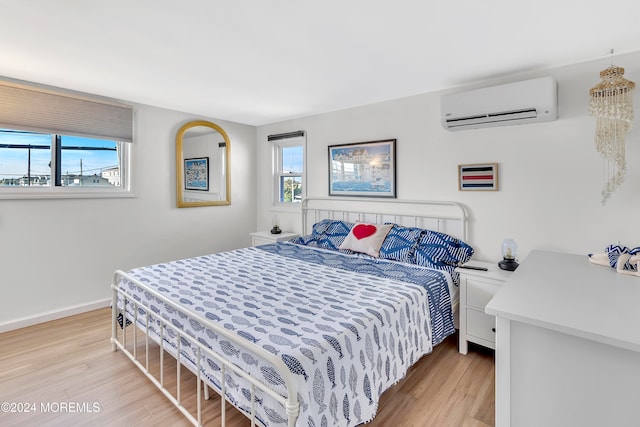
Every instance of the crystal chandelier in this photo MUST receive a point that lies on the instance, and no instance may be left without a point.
(612, 104)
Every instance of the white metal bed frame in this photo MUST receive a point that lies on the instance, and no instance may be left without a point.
(444, 216)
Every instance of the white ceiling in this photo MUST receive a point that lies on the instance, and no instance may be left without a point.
(263, 61)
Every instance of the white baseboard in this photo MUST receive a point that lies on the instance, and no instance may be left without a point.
(52, 315)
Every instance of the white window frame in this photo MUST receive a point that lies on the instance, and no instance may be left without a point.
(279, 142)
(36, 108)
(67, 192)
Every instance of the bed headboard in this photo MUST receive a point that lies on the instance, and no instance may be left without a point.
(443, 216)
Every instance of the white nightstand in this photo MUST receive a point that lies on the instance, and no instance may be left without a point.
(477, 287)
(264, 237)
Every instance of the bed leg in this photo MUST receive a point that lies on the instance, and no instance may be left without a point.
(206, 390)
(114, 318)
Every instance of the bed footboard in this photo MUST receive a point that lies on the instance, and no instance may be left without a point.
(126, 309)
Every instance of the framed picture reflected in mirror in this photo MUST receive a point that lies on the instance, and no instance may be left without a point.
(196, 174)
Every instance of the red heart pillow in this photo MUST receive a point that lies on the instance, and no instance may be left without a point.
(366, 238)
(361, 231)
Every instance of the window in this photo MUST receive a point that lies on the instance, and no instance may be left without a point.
(38, 160)
(288, 155)
(59, 144)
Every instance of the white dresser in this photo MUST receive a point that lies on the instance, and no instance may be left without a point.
(477, 287)
(567, 344)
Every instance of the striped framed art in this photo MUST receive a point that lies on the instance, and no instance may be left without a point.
(478, 177)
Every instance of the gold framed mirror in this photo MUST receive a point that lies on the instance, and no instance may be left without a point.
(203, 176)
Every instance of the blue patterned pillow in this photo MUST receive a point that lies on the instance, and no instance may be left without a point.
(334, 234)
(318, 231)
(327, 234)
(304, 240)
(614, 252)
(319, 228)
(400, 243)
(437, 250)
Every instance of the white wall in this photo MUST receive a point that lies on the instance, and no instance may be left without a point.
(56, 254)
(550, 173)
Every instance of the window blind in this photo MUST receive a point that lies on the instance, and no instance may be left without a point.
(37, 109)
(287, 135)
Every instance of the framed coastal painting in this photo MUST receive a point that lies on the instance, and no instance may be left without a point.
(196, 174)
(478, 177)
(365, 169)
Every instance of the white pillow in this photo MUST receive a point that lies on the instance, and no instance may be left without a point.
(366, 238)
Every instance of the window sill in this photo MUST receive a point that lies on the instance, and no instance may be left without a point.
(66, 193)
(286, 207)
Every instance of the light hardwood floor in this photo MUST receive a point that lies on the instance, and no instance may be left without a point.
(69, 362)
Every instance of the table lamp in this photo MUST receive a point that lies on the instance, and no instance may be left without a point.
(275, 221)
(509, 253)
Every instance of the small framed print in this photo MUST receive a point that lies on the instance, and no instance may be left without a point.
(478, 177)
(196, 174)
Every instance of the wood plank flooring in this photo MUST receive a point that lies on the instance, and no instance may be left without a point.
(65, 374)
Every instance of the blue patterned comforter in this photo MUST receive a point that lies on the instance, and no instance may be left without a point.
(348, 327)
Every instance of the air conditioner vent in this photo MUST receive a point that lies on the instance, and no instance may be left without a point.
(514, 103)
(529, 112)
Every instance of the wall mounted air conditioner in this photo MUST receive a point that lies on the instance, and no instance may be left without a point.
(527, 101)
